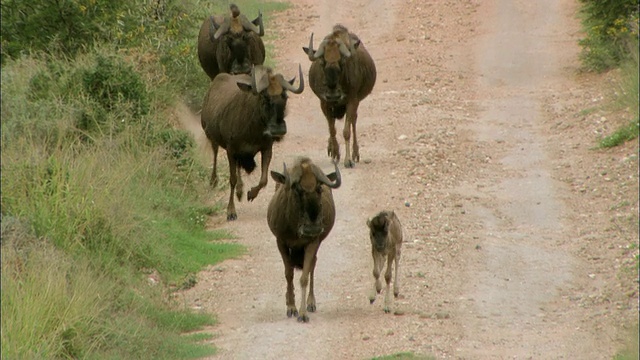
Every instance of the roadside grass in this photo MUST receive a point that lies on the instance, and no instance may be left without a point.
(631, 350)
(404, 356)
(627, 98)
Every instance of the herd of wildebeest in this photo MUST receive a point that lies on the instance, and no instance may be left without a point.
(244, 113)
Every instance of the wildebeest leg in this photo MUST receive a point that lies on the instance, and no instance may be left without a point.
(309, 253)
(233, 178)
(396, 284)
(311, 300)
(288, 275)
(264, 167)
(378, 262)
(214, 172)
(333, 149)
(349, 125)
(239, 184)
(387, 279)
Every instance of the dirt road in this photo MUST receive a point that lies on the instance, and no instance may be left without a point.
(474, 136)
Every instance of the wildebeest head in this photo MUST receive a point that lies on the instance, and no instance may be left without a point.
(237, 32)
(379, 230)
(304, 187)
(272, 90)
(333, 52)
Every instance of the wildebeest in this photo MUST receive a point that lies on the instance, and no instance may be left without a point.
(230, 44)
(385, 233)
(342, 74)
(244, 114)
(301, 215)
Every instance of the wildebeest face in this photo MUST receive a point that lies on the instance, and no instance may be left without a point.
(333, 63)
(308, 192)
(274, 104)
(304, 189)
(272, 90)
(238, 44)
(378, 232)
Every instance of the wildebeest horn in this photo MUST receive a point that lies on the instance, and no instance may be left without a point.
(258, 80)
(289, 84)
(248, 25)
(260, 23)
(346, 52)
(310, 49)
(222, 29)
(325, 180)
(320, 50)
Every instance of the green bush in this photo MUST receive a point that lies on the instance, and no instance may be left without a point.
(609, 25)
(112, 82)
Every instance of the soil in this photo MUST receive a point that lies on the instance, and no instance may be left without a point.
(480, 134)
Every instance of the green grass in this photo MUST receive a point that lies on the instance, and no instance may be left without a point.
(100, 190)
(631, 349)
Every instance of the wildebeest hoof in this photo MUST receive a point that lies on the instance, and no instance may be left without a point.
(303, 318)
(395, 295)
(311, 307)
(231, 217)
(292, 312)
(371, 300)
(349, 164)
(387, 310)
(251, 194)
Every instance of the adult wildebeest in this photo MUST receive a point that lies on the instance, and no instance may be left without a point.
(300, 215)
(342, 74)
(244, 114)
(230, 44)
(385, 233)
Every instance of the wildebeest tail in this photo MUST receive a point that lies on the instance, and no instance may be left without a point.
(246, 161)
(297, 257)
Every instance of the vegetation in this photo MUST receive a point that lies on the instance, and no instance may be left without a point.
(103, 201)
(611, 41)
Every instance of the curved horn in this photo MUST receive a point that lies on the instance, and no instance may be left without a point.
(289, 84)
(320, 50)
(285, 172)
(259, 81)
(310, 50)
(248, 25)
(254, 86)
(325, 180)
(344, 50)
(222, 29)
(260, 24)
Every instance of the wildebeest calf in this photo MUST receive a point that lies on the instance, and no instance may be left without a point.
(300, 215)
(385, 233)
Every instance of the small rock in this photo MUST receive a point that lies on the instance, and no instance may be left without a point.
(402, 137)
(366, 337)
(441, 315)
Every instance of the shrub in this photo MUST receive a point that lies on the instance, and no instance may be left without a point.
(609, 25)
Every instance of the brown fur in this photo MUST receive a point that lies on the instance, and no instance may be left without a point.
(355, 82)
(385, 233)
(301, 188)
(216, 56)
(236, 120)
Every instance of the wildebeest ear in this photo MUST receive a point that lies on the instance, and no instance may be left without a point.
(244, 85)
(277, 177)
(306, 51)
(369, 222)
(356, 44)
